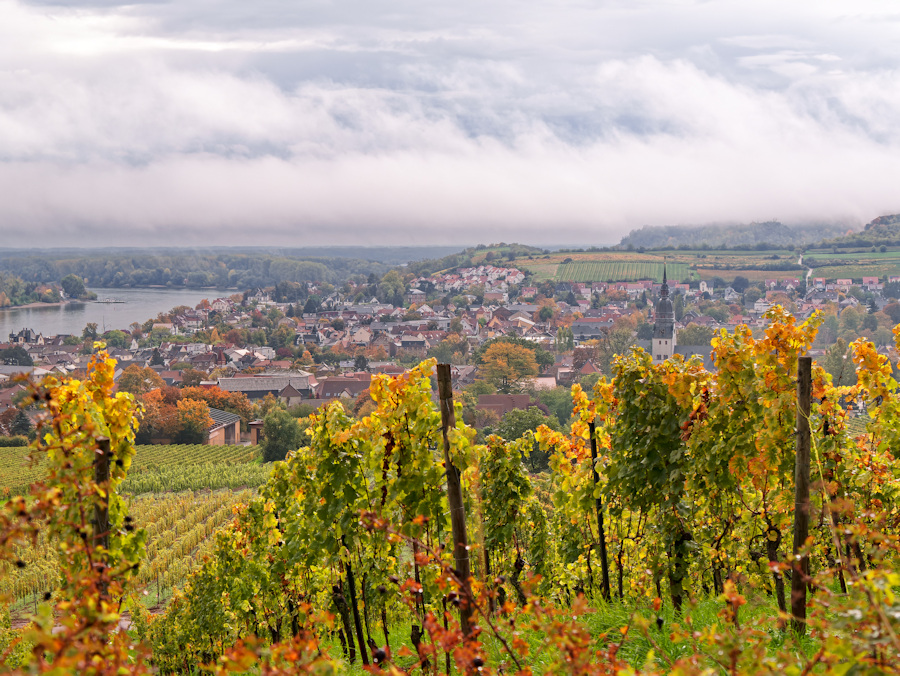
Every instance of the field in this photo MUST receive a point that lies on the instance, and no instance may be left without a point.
(180, 529)
(620, 271)
(181, 494)
(164, 467)
(690, 265)
(593, 266)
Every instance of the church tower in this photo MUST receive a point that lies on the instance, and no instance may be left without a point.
(663, 343)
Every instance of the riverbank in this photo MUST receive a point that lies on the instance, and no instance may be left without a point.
(29, 306)
(70, 317)
(60, 303)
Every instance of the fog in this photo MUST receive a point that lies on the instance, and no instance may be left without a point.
(403, 122)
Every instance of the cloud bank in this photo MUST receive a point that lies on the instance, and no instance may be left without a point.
(407, 122)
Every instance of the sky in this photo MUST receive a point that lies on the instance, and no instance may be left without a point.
(381, 122)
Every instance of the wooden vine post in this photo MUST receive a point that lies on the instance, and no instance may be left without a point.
(799, 564)
(455, 500)
(101, 508)
(601, 533)
(101, 478)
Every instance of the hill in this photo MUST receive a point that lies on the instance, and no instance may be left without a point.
(884, 230)
(762, 236)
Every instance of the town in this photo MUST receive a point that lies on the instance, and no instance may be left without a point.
(300, 346)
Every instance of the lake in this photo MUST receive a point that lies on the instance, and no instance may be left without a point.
(71, 318)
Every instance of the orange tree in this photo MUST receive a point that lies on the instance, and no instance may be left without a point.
(137, 380)
(507, 366)
(159, 415)
(194, 421)
(215, 397)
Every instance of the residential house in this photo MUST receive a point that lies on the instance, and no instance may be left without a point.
(226, 428)
(501, 404)
(257, 387)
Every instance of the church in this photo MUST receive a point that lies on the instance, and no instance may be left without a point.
(663, 343)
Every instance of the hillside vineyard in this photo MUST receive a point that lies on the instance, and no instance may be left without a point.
(666, 512)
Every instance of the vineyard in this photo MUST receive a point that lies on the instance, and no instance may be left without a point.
(183, 466)
(619, 271)
(180, 530)
(691, 522)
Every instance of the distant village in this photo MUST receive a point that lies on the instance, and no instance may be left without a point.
(327, 342)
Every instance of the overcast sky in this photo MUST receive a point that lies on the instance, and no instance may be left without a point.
(446, 121)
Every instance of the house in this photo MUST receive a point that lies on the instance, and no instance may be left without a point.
(591, 327)
(340, 387)
(222, 305)
(702, 351)
(26, 336)
(501, 404)
(256, 430)
(290, 395)
(761, 305)
(544, 383)
(411, 344)
(171, 378)
(257, 387)
(226, 428)
(415, 296)
(259, 296)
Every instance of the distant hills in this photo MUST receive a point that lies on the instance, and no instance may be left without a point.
(760, 236)
(883, 230)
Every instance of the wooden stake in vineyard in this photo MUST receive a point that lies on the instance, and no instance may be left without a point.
(101, 478)
(101, 509)
(800, 565)
(455, 500)
(601, 533)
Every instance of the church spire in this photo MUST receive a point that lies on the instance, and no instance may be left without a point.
(663, 343)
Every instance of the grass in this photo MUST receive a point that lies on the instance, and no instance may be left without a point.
(604, 623)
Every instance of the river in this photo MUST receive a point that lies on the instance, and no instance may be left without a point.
(71, 318)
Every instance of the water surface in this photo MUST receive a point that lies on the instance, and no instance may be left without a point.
(71, 318)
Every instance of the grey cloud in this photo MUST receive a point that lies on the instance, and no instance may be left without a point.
(318, 120)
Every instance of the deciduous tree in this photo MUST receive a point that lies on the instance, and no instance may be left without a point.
(282, 434)
(508, 366)
(137, 380)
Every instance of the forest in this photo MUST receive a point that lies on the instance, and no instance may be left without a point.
(762, 236)
(658, 541)
(184, 268)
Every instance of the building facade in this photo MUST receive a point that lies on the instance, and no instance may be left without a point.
(663, 343)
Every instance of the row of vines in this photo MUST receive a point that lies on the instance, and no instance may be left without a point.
(674, 486)
(180, 529)
(619, 271)
(154, 464)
